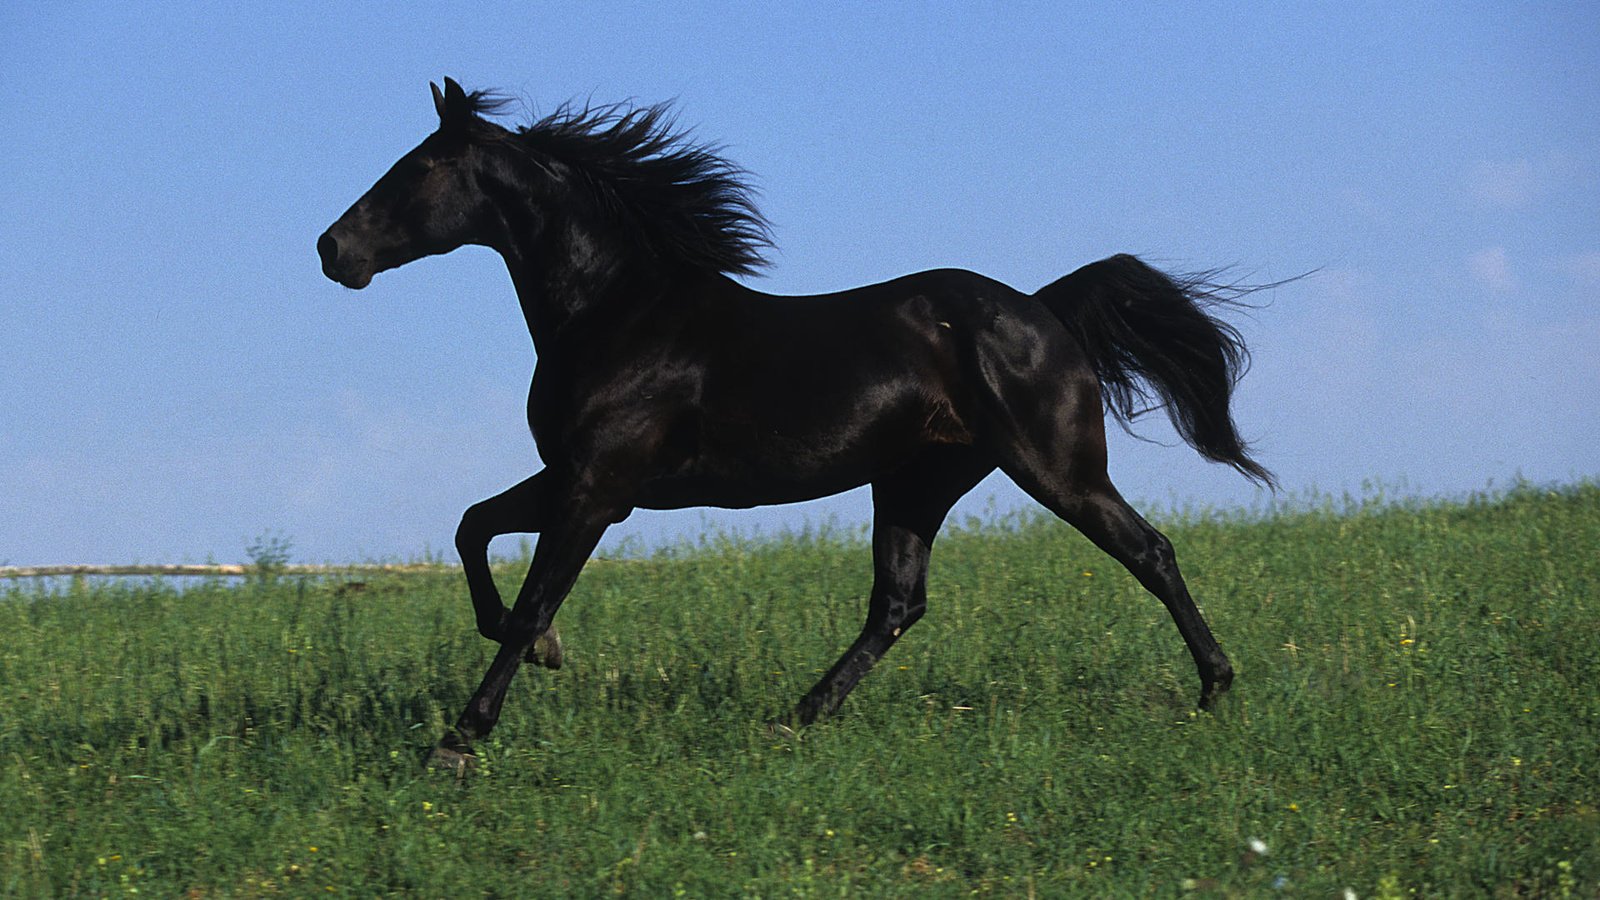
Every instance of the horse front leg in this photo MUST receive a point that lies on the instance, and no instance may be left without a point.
(557, 561)
(518, 510)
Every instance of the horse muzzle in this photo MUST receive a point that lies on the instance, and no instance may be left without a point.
(348, 269)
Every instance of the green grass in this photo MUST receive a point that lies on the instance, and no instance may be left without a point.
(1416, 712)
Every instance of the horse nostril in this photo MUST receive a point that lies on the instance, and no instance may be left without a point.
(327, 248)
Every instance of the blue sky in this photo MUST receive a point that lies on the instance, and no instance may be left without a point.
(177, 377)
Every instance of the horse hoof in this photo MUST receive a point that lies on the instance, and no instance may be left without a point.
(453, 761)
(1210, 693)
(779, 730)
(452, 754)
(546, 650)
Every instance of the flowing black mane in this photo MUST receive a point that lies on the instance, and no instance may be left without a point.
(679, 198)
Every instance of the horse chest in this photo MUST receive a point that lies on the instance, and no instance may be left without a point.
(575, 415)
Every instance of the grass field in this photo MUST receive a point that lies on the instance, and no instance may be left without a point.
(1417, 713)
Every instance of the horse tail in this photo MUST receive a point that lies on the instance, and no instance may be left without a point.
(1153, 344)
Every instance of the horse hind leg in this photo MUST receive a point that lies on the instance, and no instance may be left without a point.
(1065, 470)
(908, 508)
(1116, 528)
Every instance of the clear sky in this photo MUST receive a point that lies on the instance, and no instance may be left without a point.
(177, 377)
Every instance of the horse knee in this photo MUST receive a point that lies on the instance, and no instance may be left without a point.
(471, 533)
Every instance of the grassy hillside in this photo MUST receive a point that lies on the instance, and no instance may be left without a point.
(1416, 711)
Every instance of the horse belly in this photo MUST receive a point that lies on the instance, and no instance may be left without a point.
(825, 443)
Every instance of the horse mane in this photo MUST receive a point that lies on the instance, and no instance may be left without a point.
(678, 197)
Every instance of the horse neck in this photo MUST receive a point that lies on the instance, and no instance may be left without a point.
(560, 295)
(569, 270)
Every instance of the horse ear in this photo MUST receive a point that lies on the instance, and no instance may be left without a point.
(452, 105)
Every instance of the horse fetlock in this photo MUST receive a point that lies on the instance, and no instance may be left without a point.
(1222, 674)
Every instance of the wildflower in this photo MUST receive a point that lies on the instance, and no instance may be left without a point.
(1294, 807)
(1258, 846)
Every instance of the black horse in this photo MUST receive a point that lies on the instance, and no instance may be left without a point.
(662, 383)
